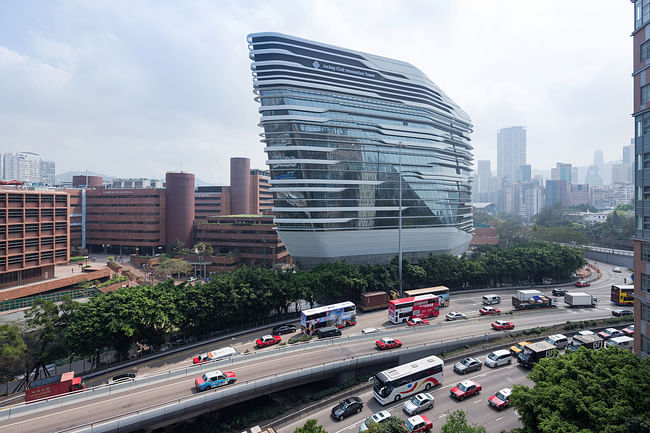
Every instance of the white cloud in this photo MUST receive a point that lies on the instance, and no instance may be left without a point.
(137, 88)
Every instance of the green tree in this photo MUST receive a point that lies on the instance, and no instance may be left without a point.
(311, 426)
(44, 327)
(456, 422)
(12, 351)
(588, 390)
(391, 425)
(203, 249)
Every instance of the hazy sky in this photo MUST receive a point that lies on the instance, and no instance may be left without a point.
(138, 88)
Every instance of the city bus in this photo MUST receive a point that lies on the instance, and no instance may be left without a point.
(401, 381)
(441, 291)
(622, 294)
(340, 315)
(422, 306)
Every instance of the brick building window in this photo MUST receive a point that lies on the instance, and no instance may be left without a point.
(645, 252)
(645, 94)
(645, 282)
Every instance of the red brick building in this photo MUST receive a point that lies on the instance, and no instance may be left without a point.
(249, 193)
(242, 240)
(34, 234)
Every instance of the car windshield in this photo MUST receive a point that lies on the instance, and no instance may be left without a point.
(500, 396)
(462, 387)
(466, 361)
(493, 356)
(408, 425)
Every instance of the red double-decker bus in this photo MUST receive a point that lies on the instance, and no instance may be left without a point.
(422, 306)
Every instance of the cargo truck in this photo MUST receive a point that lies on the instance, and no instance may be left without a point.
(533, 352)
(588, 341)
(529, 299)
(53, 386)
(580, 299)
(373, 301)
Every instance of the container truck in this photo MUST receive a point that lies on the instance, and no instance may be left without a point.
(526, 300)
(52, 386)
(580, 299)
(533, 352)
(373, 301)
(588, 341)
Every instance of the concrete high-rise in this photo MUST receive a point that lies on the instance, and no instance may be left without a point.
(28, 167)
(628, 154)
(562, 171)
(511, 152)
(641, 87)
(483, 175)
(344, 130)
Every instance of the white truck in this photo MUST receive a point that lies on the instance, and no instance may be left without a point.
(580, 299)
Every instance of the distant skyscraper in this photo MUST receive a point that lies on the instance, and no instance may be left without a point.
(598, 158)
(556, 193)
(622, 173)
(511, 152)
(628, 154)
(47, 172)
(524, 173)
(28, 167)
(562, 171)
(483, 174)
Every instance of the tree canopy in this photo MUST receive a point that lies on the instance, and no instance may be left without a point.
(605, 391)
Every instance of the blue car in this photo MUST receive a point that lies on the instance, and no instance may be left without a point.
(214, 379)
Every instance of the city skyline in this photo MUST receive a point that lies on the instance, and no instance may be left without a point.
(88, 88)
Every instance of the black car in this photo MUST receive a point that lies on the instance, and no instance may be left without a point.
(124, 377)
(347, 407)
(559, 292)
(620, 312)
(287, 328)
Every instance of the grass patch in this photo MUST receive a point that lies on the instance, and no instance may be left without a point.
(299, 338)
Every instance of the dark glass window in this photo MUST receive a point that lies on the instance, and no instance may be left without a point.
(645, 51)
(645, 94)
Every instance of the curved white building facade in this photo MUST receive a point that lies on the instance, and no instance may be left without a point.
(340, 129)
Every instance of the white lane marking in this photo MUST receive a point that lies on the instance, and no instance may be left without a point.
(478, 401)
(498, 419)
(442, 416)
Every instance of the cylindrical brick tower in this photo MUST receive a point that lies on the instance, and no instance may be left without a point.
(240, 190)
(179, 208)
(89, 181)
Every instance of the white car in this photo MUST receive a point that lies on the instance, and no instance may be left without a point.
(418, 403)
(616, 269)
(378, 417)
(369, 331)
(455, 315)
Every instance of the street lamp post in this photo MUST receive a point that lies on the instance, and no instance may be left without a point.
(401, 288)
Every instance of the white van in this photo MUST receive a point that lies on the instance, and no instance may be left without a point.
(624, 342)
(560, 341)
(498, 357)
(491, 299)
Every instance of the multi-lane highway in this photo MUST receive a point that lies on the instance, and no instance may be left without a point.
(183, 387)
(476, 407)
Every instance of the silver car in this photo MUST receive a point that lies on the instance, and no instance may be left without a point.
(418, 403)
(466, 365)
(378, 417)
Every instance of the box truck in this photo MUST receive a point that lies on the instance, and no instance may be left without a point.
(580, 299)
(52, 386)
